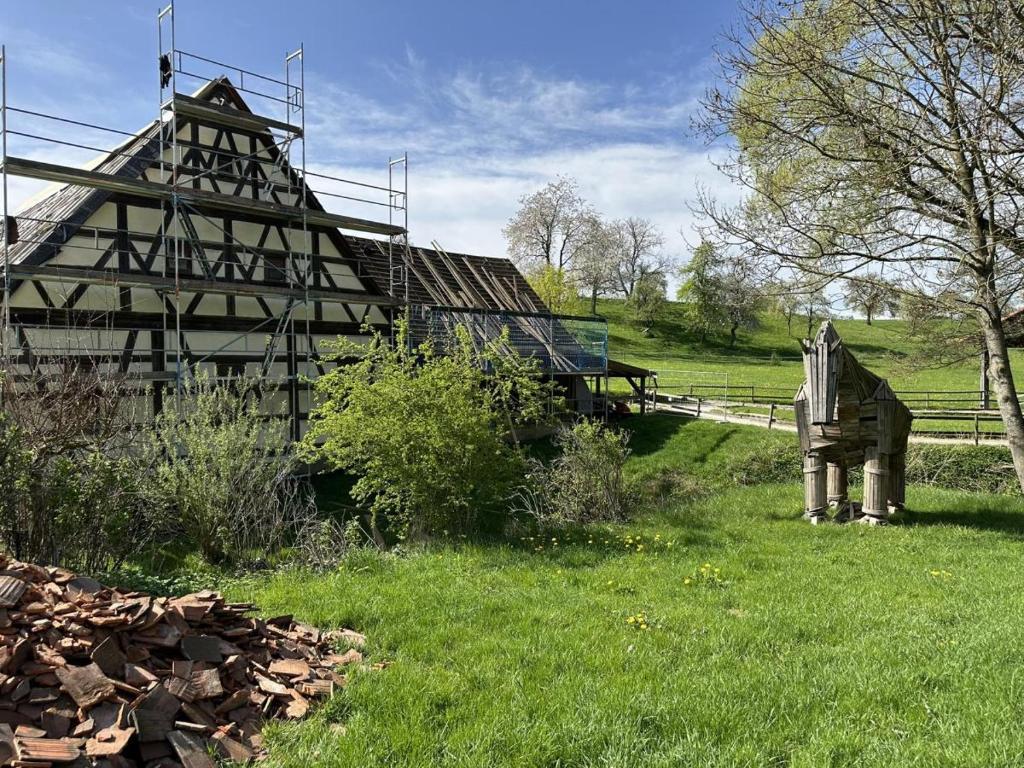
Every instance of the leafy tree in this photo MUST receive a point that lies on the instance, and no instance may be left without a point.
(700, 292)
(739, 295)
(647, 300)
(882, 132)
(800, 296)
(873, 296)
(557, 288)
(426, 435)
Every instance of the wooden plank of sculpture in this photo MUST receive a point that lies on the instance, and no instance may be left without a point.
(898, 480)
(815, 495)
(838, 491)
(876, 487)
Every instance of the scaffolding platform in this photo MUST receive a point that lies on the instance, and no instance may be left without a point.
(200, 199)
(85, 275)
(189, 106)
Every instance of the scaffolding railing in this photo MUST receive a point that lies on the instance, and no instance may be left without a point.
(561, 344)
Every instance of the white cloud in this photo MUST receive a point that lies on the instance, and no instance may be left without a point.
(478, 142)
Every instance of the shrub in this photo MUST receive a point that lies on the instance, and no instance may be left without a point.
(227, 473)
(428, 436)
(765, 461)
(584, 483)
(981, 469)
(71, 492)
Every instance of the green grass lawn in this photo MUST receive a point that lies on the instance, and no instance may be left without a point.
(670, 349)
(820, 646)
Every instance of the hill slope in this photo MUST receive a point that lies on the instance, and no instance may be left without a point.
(770, 354)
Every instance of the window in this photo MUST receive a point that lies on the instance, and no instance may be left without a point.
(274, 269)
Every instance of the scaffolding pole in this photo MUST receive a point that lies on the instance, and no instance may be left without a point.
(6, 330)
(280, 197)
(398, 244)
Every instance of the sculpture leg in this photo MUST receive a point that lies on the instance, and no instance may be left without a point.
(838, 495)
(898, 480)
(876, 487)
(815, 496)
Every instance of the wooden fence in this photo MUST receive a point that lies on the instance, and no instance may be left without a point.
(756, 394)
(936, 413)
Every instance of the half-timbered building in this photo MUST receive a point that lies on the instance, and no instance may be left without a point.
(195, 246)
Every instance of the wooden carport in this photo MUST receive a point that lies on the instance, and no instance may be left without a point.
(635, 376)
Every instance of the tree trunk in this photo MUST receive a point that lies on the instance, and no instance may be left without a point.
(593, 300)
(810, 325)
(732, 334)
(868, 314)
(789, 324)
(1001, 378)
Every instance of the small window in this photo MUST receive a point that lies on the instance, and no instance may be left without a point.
(274, 269)
(184, 254)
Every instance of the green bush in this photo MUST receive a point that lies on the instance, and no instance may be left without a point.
(429, 437)
(72, 492)
(980, 469)
(225, 469)
(584, 482)
(765, 461)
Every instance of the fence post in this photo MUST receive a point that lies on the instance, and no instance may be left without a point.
(771, 415)
(977, 435)
(698, 407)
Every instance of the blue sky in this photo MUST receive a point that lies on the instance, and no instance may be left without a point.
(491, 100)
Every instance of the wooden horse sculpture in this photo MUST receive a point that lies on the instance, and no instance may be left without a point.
(847, 415)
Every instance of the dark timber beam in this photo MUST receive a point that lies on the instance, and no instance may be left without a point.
(200, 199)
(208, 112)
(83, 275)
(47, 318)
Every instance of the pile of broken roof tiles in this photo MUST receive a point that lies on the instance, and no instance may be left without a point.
(92, 676)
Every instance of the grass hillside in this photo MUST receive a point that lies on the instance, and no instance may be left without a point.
(718, 629)
(770, 356)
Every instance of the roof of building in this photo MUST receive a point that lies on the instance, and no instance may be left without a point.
(441, 278)
(435, 277)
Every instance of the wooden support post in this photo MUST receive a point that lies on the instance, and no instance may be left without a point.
(898, 480)
(771, 415)
(876, 486)
(815, 501)
(837, 483)
(643, 395)
(698, 407)
(977, 429)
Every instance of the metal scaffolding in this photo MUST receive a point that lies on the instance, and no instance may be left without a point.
(189, 199)
(167, 168)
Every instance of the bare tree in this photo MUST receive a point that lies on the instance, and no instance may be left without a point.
(883, 132)
(638, 243)
(550, 227)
